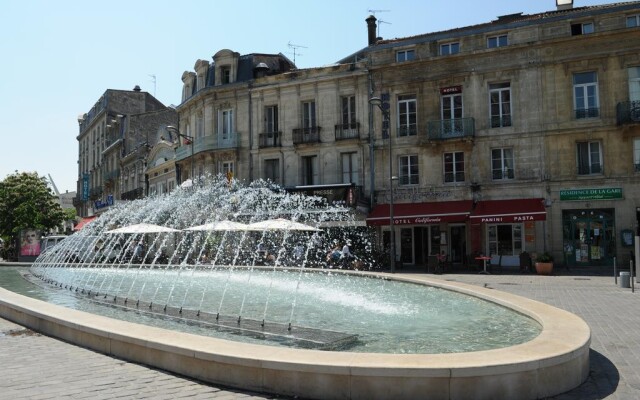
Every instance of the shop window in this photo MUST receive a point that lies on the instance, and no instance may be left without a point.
(505, 239)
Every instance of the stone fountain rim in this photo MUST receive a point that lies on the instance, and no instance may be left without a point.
(563, 345)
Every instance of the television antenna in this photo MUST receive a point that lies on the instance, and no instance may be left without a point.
(153, 79)
(295, 48)
(375, 11)
(380, 22)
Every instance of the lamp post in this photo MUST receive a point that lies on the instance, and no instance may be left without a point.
(175, 130)
(377, 101)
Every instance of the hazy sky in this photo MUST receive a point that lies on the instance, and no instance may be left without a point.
(58, 57)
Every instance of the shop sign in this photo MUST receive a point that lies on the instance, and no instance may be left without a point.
(451, 90)
(591, 194)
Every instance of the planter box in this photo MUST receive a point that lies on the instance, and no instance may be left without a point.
(544, 268)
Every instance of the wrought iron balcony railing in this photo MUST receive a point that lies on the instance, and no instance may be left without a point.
(306, 135)
(269, 139)
(628, 112)
(583, 113)
(207, 143)
(111, 175)
(446, 129)
(347, 131)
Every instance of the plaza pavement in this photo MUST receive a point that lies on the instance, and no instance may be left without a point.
(38, 367)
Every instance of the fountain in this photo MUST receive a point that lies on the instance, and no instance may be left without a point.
(283, 318)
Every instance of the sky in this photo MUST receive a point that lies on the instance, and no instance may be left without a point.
(58, 57)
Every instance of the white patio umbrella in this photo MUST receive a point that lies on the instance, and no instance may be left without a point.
(143, 228)
(219, 226)
(280, 224)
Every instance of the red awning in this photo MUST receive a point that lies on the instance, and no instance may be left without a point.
(83, 222)
(516, 210)
(421, 213)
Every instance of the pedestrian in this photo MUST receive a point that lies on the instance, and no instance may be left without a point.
(346, 254)
(138, 250)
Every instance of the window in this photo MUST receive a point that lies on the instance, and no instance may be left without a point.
(405, 55)
(451, 113)
(309, 114)
(227, 167)
(225, 75)
(633, 21)
(589, 158)
(449, 48)
(409, 170)
(582, 29)
(271, 119)
(199, 125)
(497, 41)
(310, 170)
(585, 93)
(225, 124)
(636, 154)
(502, 163)
(500, 99)
(505, 239)
(634, 87)
(272, 170)
(407, 117)
(349, 112)
(350, 168)
(454, 167)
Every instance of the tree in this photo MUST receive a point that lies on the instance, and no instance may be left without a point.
(26, 201)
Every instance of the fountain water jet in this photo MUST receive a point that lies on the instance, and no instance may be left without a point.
(528, 369)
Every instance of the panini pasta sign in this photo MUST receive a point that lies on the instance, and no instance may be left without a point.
(591, 194)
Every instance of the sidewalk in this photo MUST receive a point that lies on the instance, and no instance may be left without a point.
(39, 367)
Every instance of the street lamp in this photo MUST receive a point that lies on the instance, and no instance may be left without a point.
(175, 130)
(377, 101)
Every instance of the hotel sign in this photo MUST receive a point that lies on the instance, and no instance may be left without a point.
(591, 194)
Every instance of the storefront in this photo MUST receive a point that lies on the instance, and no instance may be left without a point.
(589, 236)
(506, 227)
(424, 229)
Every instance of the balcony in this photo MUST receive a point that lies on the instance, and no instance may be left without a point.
(583, 113)
(207, 143)
(347, 131)
(269, 139)
(306, 135)
(132, 194)
(446, 129)
(628, 112)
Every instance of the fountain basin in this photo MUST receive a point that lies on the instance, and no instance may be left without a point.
(554, 362)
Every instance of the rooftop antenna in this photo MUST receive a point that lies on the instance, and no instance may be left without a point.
(295, 47)
(375, 11)
(379, 23)
(153, 79)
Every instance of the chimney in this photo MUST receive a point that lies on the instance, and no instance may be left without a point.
(371, 30)
(564, 5)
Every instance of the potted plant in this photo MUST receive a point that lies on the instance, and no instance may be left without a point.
(544, 263)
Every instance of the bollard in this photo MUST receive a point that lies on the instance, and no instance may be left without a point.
(625, 280)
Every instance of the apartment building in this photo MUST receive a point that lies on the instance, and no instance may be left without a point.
(113, 142)
(520, 134)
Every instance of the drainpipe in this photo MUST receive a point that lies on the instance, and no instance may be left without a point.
(250, 136)
(371, 152)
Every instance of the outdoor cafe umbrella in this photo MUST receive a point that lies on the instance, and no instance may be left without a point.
(219, 226)
(143, 228)
(280, 224)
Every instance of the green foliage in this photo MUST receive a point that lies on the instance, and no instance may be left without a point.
(545, 257)
(26, 201)
(70, 214)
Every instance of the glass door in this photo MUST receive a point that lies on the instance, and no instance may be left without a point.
(589, 237)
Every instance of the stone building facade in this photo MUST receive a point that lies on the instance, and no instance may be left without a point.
(521, 134)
